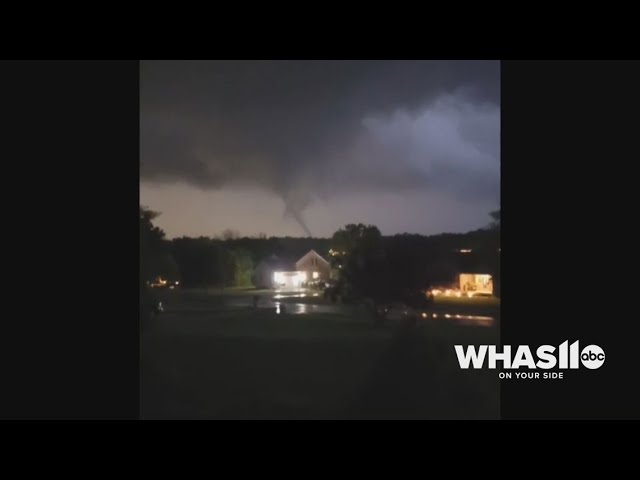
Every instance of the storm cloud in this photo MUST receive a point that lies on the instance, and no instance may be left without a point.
(313, 132)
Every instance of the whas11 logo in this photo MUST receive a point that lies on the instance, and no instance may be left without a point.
(546, 357)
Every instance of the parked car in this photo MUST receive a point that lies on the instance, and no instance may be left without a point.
(316, 284)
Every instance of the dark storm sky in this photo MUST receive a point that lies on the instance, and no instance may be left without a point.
(281, 146)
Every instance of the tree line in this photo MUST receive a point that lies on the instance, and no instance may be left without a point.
(366, 263)
(387, 268)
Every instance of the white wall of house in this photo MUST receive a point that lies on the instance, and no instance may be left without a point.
(480, 283)
(316, 267)
(309, 268)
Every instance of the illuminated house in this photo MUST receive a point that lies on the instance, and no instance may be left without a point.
(314, 266)
(476, 283)
(279, 273)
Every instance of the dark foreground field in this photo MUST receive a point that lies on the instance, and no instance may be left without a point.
(216, 361)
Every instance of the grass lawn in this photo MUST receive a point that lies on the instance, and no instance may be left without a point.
(464, 305)
(191, 298)
(212, 292)
(237, 362)
(483, 302)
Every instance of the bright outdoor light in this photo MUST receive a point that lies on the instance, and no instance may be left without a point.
(278, 277)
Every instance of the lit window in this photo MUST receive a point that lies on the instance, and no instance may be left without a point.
(315, 275)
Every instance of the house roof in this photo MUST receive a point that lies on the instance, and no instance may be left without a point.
(287, 263)
(314, 253)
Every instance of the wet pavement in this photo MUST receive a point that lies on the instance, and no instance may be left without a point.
(285, 302)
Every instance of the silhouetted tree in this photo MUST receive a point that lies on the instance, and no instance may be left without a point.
(153, 249)
(242, 267)
(360, 259)
(230, 234)
(199, 260)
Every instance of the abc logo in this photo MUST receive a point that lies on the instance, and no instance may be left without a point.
(592, 357)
